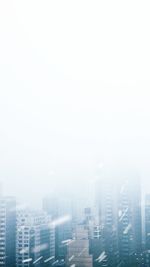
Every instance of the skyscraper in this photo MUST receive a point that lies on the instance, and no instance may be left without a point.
(58, 209)
(147, 222)
(129, 219)
(96, 240)
(7, 231)
(107, 207)
(119, 203)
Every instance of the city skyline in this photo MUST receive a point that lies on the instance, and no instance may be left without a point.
(74, 133)
(73, 188)
(111, 231)
(74, 90)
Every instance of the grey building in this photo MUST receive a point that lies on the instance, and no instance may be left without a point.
(129, 218)
(147, 222)
(59, 209)
(7, 232)
(107, 204)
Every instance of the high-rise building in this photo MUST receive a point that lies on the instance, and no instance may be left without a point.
(119, 202)
(35, 239)
(145, 255)
(147, 222)
(108, 214)
(129, 218)
(7, 232)
(90, 219)
(96, 242)
(78, 249)
(59, 209)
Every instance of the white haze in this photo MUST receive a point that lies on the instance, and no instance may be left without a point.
(74, 92)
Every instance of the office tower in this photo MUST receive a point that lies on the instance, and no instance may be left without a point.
(146, 252)
(119, 201)
(147, 222)
(96, 242)
(35, 239)
(78, 249)
(129, 219)
(91, 219)
(63, 231)
(7, 232)
(106, 202)
(97, 247)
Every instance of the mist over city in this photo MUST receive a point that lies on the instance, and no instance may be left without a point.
(74, 133)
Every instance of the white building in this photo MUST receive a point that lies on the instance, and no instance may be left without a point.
(35, 239)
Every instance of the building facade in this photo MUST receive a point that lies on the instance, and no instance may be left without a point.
(7, 231)
(35, 239)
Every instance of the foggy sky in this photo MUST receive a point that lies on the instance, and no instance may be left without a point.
(74, 92)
